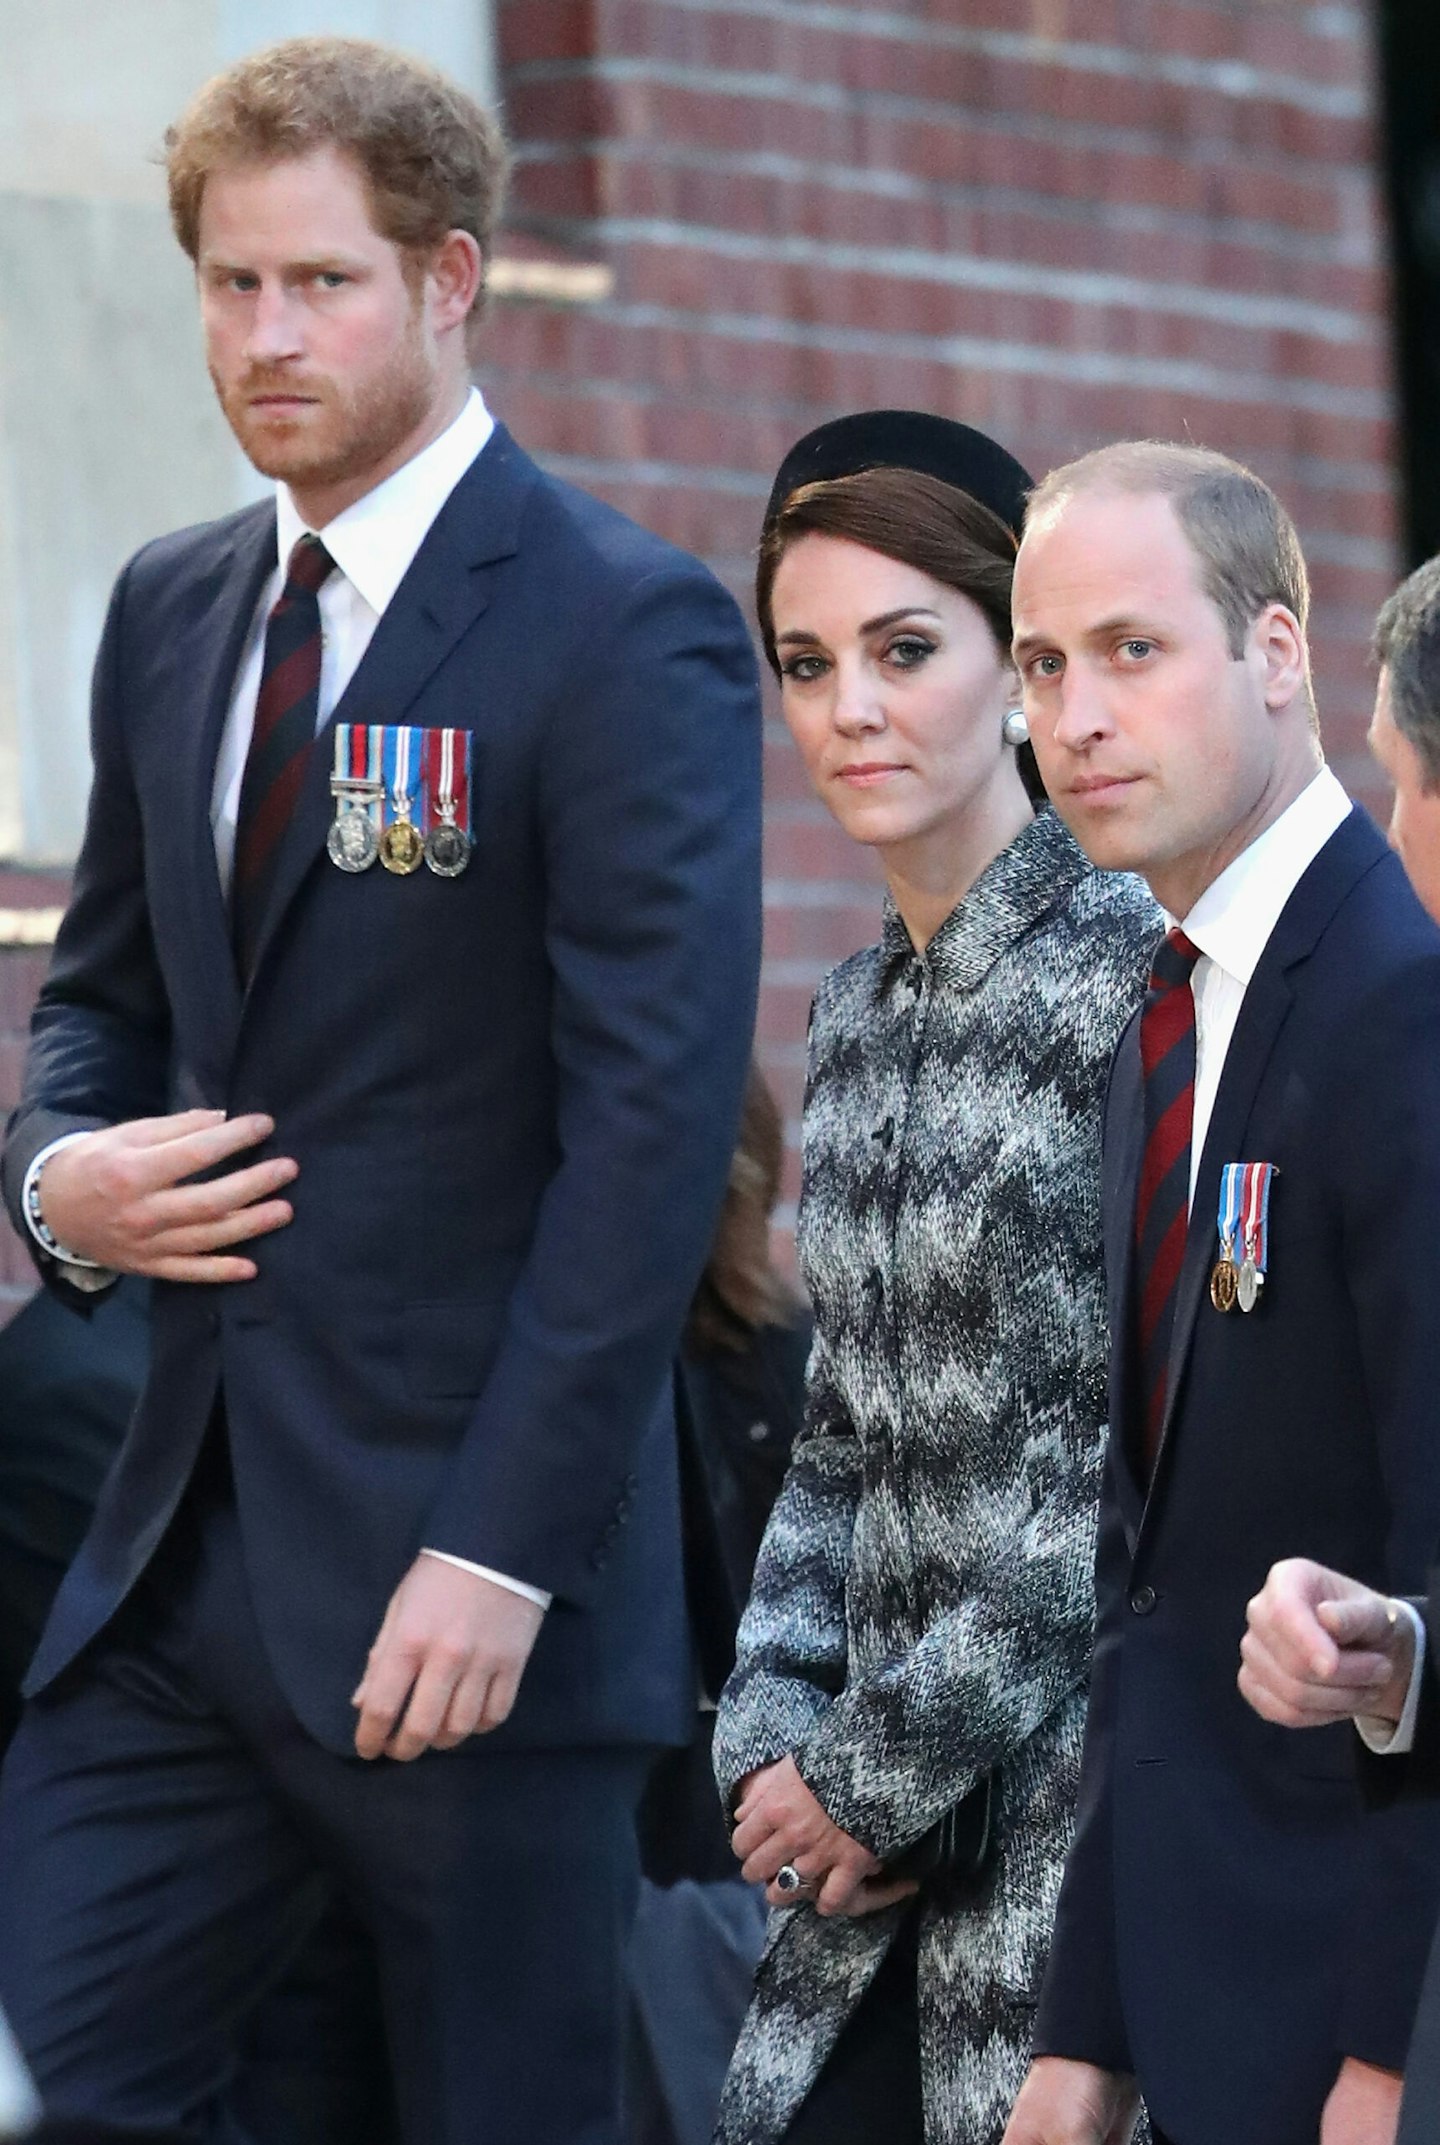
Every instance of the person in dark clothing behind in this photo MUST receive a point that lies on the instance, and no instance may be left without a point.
(740, 1388)
(310, 2068)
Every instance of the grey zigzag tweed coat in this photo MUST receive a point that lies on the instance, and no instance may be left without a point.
(923, 1605)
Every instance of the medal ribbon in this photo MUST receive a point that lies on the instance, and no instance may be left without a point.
(400, 756)
(440, 756)
(1256, 1211)
(1232, 1193)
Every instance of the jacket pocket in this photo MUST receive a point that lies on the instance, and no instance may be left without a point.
(449, 1347)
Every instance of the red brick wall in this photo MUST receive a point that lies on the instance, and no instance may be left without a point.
(1062, 220)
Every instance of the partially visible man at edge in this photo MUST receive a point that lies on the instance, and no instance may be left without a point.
(1320, 1647)
(1237, 1938)
(397, 1028)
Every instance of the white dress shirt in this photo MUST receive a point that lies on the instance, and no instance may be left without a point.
(1231, 923)
(373, 544)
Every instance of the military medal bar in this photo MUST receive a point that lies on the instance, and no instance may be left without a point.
(447, 791)
(1255, 1233)
(356, 785)
(1224, 1280)
(402, 845)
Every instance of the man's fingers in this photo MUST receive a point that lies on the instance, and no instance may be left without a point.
(238, 1228)
(500, 1697)
(1362, 1621)
(157, 1131)
(161, 1163)
(186, 1205)
(383, 1693)
(429, 1703)
(213, 1271)
(467, 1704)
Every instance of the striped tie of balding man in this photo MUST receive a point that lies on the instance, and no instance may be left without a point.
(286, 714)
(1162, 1208)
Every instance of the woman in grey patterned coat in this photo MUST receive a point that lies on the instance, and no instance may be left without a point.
(922, 1611)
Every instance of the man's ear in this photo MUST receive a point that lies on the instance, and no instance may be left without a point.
(452, 280)
(1278, 643)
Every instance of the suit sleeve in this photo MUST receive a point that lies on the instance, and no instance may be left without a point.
(650, 822)
(792, 1647)
(1388, 1197)
(1080, 2014)
(100, 1033)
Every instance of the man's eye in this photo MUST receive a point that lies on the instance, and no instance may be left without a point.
(803, 668)
(1043, 666)
(1137, 649)
(331, 278)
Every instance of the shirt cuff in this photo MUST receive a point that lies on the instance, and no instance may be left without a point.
(537, 1594)
(1395, 1739)
(81, 1273)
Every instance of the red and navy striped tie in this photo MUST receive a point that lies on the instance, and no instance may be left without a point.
(286, 714)
(1162, 1210)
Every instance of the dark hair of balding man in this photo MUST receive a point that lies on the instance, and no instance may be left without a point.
(433, 160)
(1246, 543)
(1407, 647)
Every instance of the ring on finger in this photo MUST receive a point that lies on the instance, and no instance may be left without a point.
(789, 1880)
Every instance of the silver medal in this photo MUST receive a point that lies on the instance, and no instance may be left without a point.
(1249, 1285)
(447, 849)
(352, 841)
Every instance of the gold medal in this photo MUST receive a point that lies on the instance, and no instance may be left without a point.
(401, 847)
(1224, 1284)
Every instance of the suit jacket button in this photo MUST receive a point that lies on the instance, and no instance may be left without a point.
(1142, 1601)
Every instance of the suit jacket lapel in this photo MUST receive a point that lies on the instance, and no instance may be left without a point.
(1350, 852)
(445, 591)
(210, 654)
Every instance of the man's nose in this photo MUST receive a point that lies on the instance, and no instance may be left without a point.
(1083, 714)
(274, 329)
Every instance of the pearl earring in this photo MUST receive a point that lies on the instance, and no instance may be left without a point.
(1015, 729)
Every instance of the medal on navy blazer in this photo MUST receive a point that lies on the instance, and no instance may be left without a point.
(353, 841)
(1225, 1278)
(447, 791)
(402, 846)
(1244, 1219)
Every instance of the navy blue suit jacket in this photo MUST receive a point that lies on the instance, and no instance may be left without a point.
(1233, 1921)
(512, 1095)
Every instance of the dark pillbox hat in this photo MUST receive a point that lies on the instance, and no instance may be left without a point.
(907, 439)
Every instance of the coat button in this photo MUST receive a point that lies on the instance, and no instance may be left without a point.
(1142, 1601)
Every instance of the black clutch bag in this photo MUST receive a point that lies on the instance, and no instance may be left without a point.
(957, 1847)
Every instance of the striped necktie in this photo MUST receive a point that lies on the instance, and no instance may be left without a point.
(286, 717)
(1162, 1209)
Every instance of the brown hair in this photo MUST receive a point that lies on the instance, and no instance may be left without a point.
(1246, 543)
(740, 1288)
(433, 160)
(921, 521)
(1407, 645)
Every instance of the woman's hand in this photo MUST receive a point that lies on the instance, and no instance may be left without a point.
(779, 1821)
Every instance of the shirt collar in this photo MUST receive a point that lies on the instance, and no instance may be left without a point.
(374, 541)
(1232, 921)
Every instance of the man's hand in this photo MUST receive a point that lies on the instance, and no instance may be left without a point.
(119, 1197)
(1364, 2106)
(1320, 1647)
(455, 1645)
(779, 1820)
(1067, 2103)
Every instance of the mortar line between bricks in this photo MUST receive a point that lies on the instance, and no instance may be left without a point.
(1231, 79)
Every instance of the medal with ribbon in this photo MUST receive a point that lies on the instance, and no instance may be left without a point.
(1225, 1278)
(356, 785)
(401, 845)
(447, 790)
(1254, 1231)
